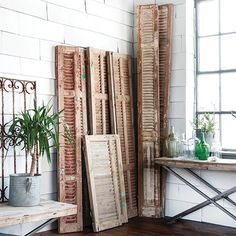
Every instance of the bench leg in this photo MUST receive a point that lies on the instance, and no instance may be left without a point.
(209, 200)
(40, 227)
(210, 186)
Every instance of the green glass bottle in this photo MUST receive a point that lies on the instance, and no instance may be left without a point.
(202, 149)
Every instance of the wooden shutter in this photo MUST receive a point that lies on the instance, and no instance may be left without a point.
(99, 118)
(105, 180)
(70, 70)
(122, 99)
(165, 45)
(148, 108)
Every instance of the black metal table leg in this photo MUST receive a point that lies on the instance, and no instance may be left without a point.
(210, 200)
(201, 205)
(41, 227)
(210, 186)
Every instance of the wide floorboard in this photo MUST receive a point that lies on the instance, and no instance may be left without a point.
(152, 227)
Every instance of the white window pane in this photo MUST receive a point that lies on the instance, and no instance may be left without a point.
(209, 53)
(228, 94)
(228, 51)
(208, 17)
(228, 132)
(228, 16)
(208, 92)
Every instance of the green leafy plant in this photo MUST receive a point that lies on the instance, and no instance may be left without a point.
(37, 130)
(206, 123)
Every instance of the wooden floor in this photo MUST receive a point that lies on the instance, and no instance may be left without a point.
(153, 227)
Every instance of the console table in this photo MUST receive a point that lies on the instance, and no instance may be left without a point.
(47, 210)
(220, 165)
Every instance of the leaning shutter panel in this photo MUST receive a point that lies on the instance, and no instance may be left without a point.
(148, 108)
(121, 82)
(70, 70)
(105, 178)
(165, 44)
(100, 121)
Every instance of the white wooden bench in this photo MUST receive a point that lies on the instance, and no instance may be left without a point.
(47, 210)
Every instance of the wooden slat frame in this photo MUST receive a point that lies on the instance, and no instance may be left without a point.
(71, 85)
(110, 146)
(165, 58)
(148, 108)
(122, 106)
(165, 55)
(98, 58)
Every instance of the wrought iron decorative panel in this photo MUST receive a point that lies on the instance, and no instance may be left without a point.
(15, 96)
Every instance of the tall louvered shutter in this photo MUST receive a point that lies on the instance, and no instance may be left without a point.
(148, 108)
(70, 70)
(121, 84)
(99, 110)
(165, 44)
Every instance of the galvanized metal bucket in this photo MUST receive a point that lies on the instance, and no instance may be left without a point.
(24, 190)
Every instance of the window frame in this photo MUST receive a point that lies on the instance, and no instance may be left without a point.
(226, 153)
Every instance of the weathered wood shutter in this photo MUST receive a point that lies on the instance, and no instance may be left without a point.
(122, 100)
(99, 118)
(165, 45)
(71, 75)
(154, 67)
(105, 180)
(148, 108)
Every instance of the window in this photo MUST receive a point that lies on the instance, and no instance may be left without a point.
(216, 65)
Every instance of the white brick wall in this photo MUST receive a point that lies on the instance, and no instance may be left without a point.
(29, 32)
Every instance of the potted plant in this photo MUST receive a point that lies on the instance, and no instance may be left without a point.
(207, 125)
(36, 130)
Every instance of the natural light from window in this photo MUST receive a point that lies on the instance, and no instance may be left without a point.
(216, 65)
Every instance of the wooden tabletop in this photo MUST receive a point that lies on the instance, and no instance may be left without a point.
(220, 164)
(47, 209)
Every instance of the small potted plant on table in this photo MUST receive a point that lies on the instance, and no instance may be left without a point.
(207, 125)
(35, 129)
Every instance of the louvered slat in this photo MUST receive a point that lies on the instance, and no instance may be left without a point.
(121, 85)
(148, 108)
(70, 69)
(105, 179)
(99, 119)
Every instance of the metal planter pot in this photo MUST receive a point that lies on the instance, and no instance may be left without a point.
(24, 190)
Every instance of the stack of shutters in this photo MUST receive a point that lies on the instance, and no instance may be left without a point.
(110, 109)
(110, 102)
(154, 57)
